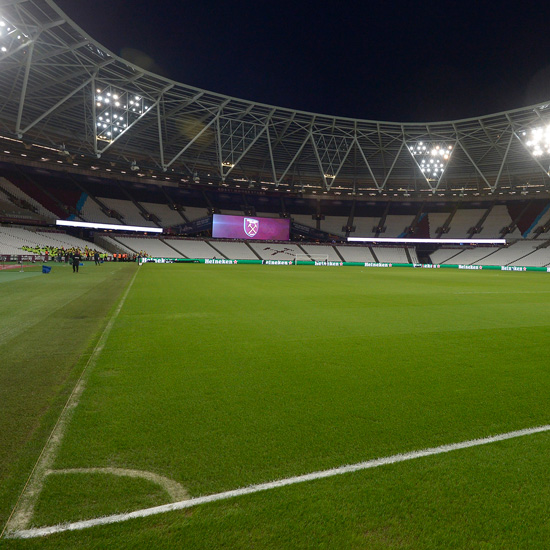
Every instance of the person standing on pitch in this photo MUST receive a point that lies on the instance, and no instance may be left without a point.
(96, 257)
(76, 260)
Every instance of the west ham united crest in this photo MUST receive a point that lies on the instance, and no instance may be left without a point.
(251, 226)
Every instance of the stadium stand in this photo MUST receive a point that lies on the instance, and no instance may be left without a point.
(152, 246)
(233, 250)
(538, 258)
(14, 191)
(304, 219)
(512, 253)
(92, 212)
(116, 246)
(334, 224)
(130, 213)
(396, 225)
(12, 239)
(167, 216)
(390, 254)
(498, 219)
(364, 226)
(322, 249)
(435, 221)
(193, 213)
(355, 253)
(540, 222)
(472, 256)
(444, 255)
(189, 248)
(276, 251)
(462, 221)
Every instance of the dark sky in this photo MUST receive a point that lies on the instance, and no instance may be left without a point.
(384, 60)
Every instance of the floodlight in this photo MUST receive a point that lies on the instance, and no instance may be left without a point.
(431, 158)
(537, 141)
(116, 107)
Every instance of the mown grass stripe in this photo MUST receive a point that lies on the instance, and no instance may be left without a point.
(23, 510)
(117, 518)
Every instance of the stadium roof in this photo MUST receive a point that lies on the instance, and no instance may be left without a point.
(61, 89)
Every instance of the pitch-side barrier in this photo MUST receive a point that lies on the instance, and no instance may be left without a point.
(225, 261)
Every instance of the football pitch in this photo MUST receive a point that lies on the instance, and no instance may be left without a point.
(126, 388)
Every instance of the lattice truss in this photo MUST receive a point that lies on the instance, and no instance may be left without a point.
(58, 87)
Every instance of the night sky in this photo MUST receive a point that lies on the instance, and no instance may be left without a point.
(396, 61)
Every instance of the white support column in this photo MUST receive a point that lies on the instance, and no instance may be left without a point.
(94, 116)
(161, 141)
(24, 91)
(219, 147)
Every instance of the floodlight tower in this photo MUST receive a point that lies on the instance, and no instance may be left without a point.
(537, 141)
(432, 158)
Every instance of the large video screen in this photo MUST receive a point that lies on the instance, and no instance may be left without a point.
(250, 227)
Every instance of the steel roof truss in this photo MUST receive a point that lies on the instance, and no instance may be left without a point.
(198, 135)
(459, 141)
(298, 152)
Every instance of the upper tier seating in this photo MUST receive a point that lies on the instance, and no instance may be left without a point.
(435, 221)
(364, 226)
(10, 189)
(130, 213)
(396, 225)
(334, 224)
(497, 219)
(462, 221)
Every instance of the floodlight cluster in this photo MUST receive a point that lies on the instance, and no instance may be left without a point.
(10, 36)
(431, 157)
(116, 110)
(538, 141)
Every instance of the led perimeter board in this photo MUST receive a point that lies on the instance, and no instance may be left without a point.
(250, 227)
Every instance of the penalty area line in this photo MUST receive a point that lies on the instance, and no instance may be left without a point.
(117, 518)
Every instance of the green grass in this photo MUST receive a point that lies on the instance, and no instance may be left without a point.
(47, 330)
(223, 376)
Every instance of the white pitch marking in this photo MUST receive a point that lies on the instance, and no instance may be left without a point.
(505, 292)
(117, 518)
(24, 507)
